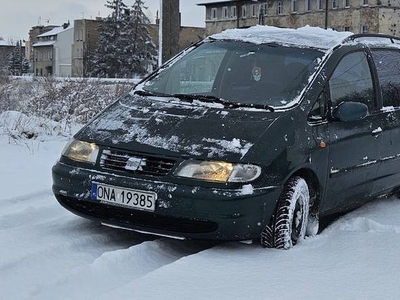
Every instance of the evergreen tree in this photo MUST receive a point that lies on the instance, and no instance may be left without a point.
(144, 52)
(125, 47)
(25, 65)
(106, 59)
(16, 58)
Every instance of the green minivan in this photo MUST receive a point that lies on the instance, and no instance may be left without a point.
(252, 134)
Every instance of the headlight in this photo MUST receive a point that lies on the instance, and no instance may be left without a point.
(218, 171)
(81, 151)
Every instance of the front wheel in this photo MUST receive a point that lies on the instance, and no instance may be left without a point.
(289, 224)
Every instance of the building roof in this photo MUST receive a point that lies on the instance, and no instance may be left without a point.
(4, 43)
(54, 31)
(43, 44)
(309, 37)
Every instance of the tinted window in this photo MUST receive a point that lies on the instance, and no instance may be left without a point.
(388, 67)
(351, 81)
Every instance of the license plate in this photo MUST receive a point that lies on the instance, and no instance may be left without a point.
(131, 198)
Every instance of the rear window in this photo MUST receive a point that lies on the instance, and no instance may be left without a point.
(239, 72)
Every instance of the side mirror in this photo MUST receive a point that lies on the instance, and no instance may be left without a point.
(350, 111)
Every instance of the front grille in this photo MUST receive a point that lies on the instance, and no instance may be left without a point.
(138, 219)
(136, 163)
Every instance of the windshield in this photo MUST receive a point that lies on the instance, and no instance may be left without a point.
(238, 72)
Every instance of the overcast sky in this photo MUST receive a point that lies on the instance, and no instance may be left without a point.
(16, 18)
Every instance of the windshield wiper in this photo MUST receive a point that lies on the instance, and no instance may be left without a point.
(213, 99)
(147, 93)
(205, 98)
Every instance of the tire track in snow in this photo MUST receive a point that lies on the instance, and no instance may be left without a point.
(25, 197)
(120, 267)
(14, 205)
(58, 251)
(42, 252)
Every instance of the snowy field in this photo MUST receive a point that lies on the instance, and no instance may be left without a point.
(48, 253)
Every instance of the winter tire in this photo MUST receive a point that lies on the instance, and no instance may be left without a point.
(289, 224)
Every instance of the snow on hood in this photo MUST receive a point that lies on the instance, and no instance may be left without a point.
(151, 125)
(307, 36)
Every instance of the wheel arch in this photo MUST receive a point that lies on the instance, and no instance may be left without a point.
(314, 187)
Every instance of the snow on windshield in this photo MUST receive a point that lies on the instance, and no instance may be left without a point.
(307, 36)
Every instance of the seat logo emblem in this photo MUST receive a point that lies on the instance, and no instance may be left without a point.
(135, 163)
(256, 72)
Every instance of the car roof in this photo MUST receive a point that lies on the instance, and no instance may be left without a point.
(304, 37)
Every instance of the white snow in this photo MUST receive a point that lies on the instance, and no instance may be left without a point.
(247, 189)
(4, 43)
(387, 108)
(44, 43)
(306, 36)
(48, 253)
(54, 31)
(234, 146)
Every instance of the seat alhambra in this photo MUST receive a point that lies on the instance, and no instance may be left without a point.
(252, 134)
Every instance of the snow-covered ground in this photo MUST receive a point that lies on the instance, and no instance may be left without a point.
(48, 253)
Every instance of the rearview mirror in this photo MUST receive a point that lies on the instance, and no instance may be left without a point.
(350, 111)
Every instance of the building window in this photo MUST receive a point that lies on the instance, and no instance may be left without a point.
(346, 28)
(79, 33)
(225, 12)
(243, 11)
(319, 5)
(280, 8)
(233, 12)
(263, 9)
(334, 4)
(213, 13)
(294, 6)
(253, 10)
(364, 28)
(346, 3)
(307, 5)
(364, 2)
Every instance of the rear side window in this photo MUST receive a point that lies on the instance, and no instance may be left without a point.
(352, 81)
(388, 67)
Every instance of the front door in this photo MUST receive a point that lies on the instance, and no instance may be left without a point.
(354, 146)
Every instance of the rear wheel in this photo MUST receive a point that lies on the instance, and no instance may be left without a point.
(289, 224)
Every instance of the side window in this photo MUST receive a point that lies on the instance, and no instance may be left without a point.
(387, 64)
(318, 112)
(351, 81)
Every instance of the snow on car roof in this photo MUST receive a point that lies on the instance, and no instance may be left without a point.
(307, 36)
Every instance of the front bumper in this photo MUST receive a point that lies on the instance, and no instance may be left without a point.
(182, 211)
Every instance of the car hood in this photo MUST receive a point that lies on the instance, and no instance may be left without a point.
(168, 126)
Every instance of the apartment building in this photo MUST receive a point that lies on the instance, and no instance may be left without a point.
(358, 16)
(52, 52)
(86, 35)
(6, 49)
